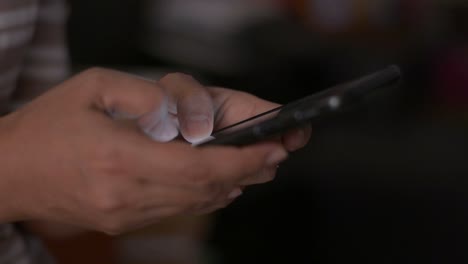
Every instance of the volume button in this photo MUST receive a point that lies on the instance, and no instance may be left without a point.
(257, 130)
(334, 102)
(298, 115)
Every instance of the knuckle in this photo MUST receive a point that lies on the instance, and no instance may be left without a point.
(208, 190)
(208, 187)
(110, 209)
(215, 192)
(95, 76)
(108, 160)
(268, 178)
(106, 172)
(200, 175)
(202, 203)
(95, 71)
(225, 204)
(266, 175)
(107, 202)
(208, 197)
(177, 76)
(112, 226)
(211, 195)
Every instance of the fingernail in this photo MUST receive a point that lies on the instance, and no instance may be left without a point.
(234, 194)
(197, 128)
(277, 157)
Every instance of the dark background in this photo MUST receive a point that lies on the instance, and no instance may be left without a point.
(383, 184)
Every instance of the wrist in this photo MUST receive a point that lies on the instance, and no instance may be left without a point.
(10, 205)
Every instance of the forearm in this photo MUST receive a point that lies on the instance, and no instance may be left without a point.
(11, 209)
(53, 231)
(10, 205)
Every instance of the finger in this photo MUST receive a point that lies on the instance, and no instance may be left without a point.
(247, 106)
(212, 209)
(266, 175)
(219, 167)
(159, 124)
(234, 106)
(126, 96)
(121, 94)
(238, 165)
(192, 179)
(297, 138)
(153, 196)
(209, 208)
(194, 106)
(181, 203)
(182, 198)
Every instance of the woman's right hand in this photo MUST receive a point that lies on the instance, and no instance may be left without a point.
(66, 160)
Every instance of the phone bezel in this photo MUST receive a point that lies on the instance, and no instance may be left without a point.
(305, 110)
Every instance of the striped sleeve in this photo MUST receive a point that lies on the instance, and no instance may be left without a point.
(17, 19)
(17, 247)
(46, 61)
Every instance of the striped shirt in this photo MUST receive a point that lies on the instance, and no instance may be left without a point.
(33, 58)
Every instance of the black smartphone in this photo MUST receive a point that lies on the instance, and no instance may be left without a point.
(309, 109)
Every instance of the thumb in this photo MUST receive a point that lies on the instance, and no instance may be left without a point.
(124, 96)
(193, 104)
(196, 117)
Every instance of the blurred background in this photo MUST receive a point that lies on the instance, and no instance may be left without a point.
(385, 183)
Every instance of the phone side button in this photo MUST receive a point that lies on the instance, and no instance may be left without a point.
(334, 102)
(299, 116)
(257, 131)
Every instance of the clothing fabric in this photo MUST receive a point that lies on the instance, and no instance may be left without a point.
(33, 58)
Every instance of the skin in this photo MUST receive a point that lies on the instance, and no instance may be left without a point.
(99, 152)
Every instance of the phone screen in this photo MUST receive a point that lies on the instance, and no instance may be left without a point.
(313, 107)
(248, 122)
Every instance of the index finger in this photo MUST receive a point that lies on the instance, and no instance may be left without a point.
(179, 162)
(234, 106)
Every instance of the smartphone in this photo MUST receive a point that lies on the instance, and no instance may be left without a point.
(304, 111)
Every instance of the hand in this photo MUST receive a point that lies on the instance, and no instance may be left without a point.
(67, 161)
(196, 111)
(234, 106)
